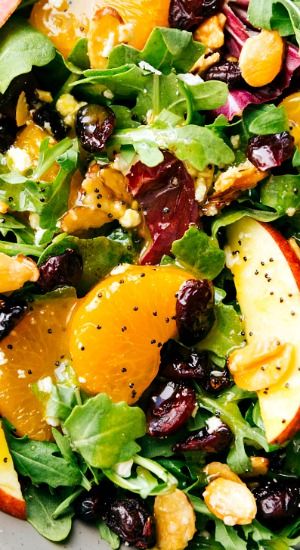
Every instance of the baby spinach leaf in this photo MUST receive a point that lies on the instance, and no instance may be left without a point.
(266, 119)
(79, 55)
(38, 461)
(109, 536)
(167, 48)
(104, 432)
(199, 253)
(22, 47)
(282, 193)
(283, 15)
(41, 504)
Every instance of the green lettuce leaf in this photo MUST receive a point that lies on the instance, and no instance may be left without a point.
(104, 432)
(22, 47)
(266, 119)
(199, 253)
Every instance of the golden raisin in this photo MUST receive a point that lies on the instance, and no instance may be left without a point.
(261, 58)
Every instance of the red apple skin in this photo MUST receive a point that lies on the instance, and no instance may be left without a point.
(289, 431)
(7, 7)
(12, 506)
(294, 264)
(287, 251)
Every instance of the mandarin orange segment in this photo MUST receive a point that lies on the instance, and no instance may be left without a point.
(30, 139)
(117, 331)
(120, 21)
(32, 351)
(59, 23)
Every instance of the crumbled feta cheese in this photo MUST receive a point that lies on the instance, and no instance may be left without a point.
(68, 106)
(147, 67)
(45, 384)
(18, 159)
(123, 469)
(130, 219)
(191, 79)
(213, 424)
(55, 3)
(235, 141)
(291, 211)
(108, 94)
(108, 44)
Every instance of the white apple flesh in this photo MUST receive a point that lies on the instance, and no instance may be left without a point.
(11, 499)
(266, 273)
(7, 7)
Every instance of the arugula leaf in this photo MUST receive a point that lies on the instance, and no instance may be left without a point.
(109, 536)
(292, 455)
(282, 193)
(228, 537)
(104, 432)
(283, 15)
(21, 47)
(79, 55)
(226, 333)
(231, 216)
(197, 145)
(266, 119)
(165, 48)
(40, 505)
(226, 406)
(99, 255)
(150, 478)
(197, 252)
(38, 461)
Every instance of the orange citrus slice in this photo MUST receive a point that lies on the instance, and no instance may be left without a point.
(118, 329)
(32, 350)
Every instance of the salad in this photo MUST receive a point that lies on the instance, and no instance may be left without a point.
(150, 270)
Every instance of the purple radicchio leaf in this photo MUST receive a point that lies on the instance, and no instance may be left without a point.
(166, 194)
(240, 98)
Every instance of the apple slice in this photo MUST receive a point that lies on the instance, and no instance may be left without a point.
(7, 7)
(11, 498)
(266, 272)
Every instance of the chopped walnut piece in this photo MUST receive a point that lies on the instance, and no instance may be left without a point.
(230, 184)
(211, 32)
(230, 501)
(205, 62)
(175, 521)
(102, 198)
(15, 271)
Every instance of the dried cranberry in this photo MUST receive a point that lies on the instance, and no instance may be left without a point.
(88, 506)
(170, 408)
(129, 518)
(208, 440)
(195, 310)
(179, 362)
(8, 131)
(228, 72)
(94, 126)
(11, 312)
(277, 502)
(167, 196)
(49, 119)
(267, 152)
(62, 270)
(218, 380)
(188, 14)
